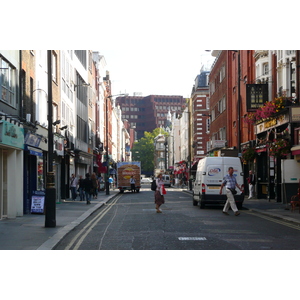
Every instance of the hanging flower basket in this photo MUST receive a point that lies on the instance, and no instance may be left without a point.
(279, 148)
(248, 154)
(267, 111)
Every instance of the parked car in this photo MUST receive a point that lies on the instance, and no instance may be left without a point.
(167, 180)
(146, 180)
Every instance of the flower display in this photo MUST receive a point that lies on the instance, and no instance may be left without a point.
(266, 111)
(248, 154)
(279, 148)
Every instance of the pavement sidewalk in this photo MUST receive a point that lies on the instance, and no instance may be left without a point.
(29, 232)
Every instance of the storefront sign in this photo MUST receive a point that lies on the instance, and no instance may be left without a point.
(37, 204)
(218, 144)
(271, 123)
(11, 135)
(295, 114)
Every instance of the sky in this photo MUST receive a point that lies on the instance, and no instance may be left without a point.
(168, 72)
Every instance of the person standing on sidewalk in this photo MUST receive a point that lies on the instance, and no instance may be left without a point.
(73, 186)
(251, 181)
(230, 183)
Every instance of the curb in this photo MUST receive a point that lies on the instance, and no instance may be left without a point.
(57, 237)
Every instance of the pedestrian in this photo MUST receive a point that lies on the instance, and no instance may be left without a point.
(95, 185)
(111, 181)
(81, 188)
(73, 186)
(251, 181)
(158, 196)
(88, 188)
(132, 184)
(230, 183)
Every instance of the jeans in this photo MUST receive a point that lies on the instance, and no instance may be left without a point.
(73, 191)
(87, 196)
(81, 194)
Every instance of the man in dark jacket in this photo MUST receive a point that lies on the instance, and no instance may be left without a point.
(88, 187)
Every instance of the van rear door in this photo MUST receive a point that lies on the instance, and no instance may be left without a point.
(214, 177)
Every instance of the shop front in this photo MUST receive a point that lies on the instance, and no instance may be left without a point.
(272, 146)
(11, 169)
(34, 167)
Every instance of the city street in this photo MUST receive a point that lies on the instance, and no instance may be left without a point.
(129, 221)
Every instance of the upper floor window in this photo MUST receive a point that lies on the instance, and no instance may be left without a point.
(7, 83)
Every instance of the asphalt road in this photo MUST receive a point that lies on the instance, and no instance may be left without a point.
(130, 222)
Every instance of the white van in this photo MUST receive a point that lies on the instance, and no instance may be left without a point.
(167, 181)
(209, 177)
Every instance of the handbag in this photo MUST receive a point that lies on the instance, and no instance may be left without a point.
(233, 191)
(163, 190)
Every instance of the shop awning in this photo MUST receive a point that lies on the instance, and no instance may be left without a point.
(264, 149)
(295, 150)
(35, 151)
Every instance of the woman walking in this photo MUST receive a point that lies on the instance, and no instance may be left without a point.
(158, 196)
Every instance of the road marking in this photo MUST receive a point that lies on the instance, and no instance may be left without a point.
(192, 238)
(272, 219)
(249, 240)
(88, 227)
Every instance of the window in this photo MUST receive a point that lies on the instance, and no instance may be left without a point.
(7, 83)
(54, 67)
(222, 73)
(265, 69)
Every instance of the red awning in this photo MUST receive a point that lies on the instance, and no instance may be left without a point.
(261, 150)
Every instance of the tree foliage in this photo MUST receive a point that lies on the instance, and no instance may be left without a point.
(143, 150)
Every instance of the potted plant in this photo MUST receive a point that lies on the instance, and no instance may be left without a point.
(248, 154)
(279, 148)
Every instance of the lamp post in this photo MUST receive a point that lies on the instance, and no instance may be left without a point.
(106, 147)
(50, 197)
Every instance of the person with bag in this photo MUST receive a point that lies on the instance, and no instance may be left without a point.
(251, 181)
(159, 193)
(230, 183)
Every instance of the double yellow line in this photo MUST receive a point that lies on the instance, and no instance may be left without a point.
(272, 219)
(82, 234)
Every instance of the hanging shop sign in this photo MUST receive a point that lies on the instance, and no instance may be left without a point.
(256, 96)
(58, 145)
(11, 135)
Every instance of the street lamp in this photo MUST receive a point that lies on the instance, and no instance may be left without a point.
(50, 197)
(107, 155)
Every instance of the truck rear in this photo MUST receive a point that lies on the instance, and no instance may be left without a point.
(124, 172)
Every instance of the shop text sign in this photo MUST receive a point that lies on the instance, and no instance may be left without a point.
(37, 204)
(11, 135)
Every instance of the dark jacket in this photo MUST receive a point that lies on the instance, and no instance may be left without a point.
(87, 184)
